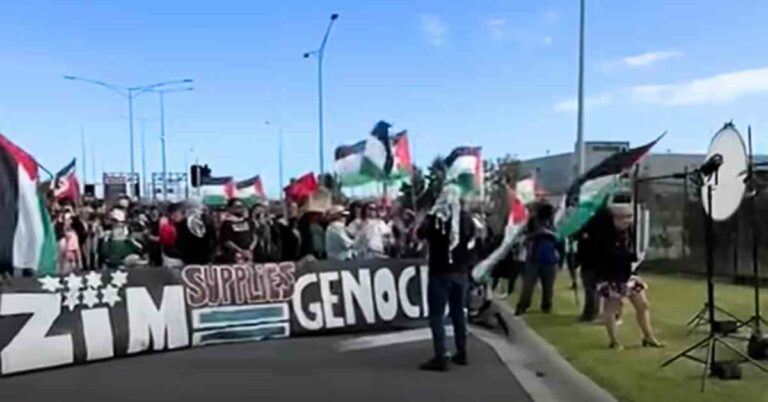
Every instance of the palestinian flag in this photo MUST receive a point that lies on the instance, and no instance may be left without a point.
(301, 188)
(349, 161)
(217, 191)
(65, 185)
(464, 166)
(250, 191)
(524, 194)
(402, 168)
(377, 156)
(27, 239)
(616, 164)
(591, 191)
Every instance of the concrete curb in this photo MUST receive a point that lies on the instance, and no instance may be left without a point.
(543, 373)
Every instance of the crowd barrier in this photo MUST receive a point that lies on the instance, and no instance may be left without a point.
(80, 318)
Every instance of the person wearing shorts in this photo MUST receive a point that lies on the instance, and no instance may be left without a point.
(616, 280)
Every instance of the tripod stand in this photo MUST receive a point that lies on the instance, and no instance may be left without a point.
(715, 337)
(757, 345)
(701, 317)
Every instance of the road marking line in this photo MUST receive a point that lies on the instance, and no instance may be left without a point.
(396, 338)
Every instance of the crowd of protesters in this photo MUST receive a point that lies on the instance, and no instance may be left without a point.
(93, 235)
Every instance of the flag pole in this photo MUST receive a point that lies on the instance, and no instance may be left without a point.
(82, 145)
(413, 190)
(384, 188)
(44, 169)
(93, 166)
(414, 199)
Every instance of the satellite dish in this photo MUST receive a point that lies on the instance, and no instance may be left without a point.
(727, 182)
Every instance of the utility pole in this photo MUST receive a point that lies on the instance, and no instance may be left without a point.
(580, 147)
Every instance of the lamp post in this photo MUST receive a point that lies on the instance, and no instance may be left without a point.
(162, 93)
(279, 154)
(144, 156)
(580, 148)
(319, 53)
(129, 93)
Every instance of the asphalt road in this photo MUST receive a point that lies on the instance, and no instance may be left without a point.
(308, 369)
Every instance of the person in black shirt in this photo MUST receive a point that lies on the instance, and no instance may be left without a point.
(590, 242)
(616, 280)
(449, 232)
(236, 234)
(195, 236)
(288, 232)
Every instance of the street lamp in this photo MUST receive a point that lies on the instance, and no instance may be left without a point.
(129, 93)
(279, 154)
(319, 53)
(162, 93)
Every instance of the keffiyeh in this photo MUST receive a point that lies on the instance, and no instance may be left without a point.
(448, 209)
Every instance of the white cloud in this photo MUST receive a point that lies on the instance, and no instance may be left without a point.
(547, 40)
(571, 105)
(434, 29)
(497, 27)
(647, 59)
(719, 88)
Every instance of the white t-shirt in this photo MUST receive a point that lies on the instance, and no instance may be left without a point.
(372, 237)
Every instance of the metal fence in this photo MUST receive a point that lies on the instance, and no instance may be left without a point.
(677, 234)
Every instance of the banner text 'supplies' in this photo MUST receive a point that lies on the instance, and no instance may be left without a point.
(55, 321)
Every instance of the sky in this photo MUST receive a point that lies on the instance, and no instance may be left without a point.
(496, 74)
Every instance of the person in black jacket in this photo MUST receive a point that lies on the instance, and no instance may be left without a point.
(288, 232)
(590, 242)
(616, 280)
(449, 232)
(236, 237)
(196, 236)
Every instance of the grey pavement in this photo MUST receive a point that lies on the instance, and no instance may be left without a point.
(305, 369)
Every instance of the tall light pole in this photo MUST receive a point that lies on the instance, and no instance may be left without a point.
(144, 156)
(581, 151)
(279, 154)
(319, 53)
(129, 93)
(162, 93)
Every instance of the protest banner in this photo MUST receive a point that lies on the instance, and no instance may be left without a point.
(54, 321)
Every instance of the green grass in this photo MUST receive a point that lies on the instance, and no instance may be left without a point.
(634, 374)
